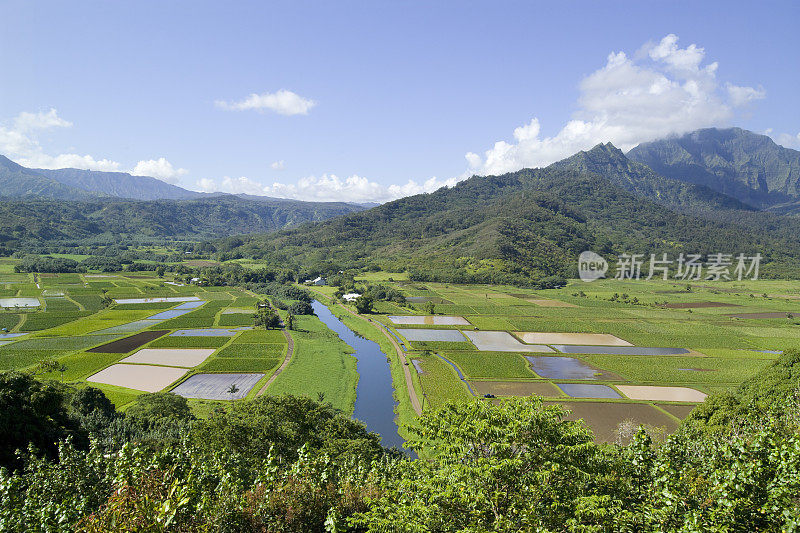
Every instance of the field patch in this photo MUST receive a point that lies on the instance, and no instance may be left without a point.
(253, 350)
(698, 305)
(515, 388)
(599, 339)
(130, 327)
(501, 341)
(619, 350)
(440, 335)
(581, 390)
(678, 411)
(188, 357)
(566, 368)
(261, 335)
(128, 343)
(19, 302)
(205, 332)
(436, 320)
(217, 386)
(662, 394)
(756, 316)
(138, 377)
(63, 343)
(549, 303)
(173, 299)
(170, 313)
(189, 342)
(604, 418)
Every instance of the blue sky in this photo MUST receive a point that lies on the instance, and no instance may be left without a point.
(379, 99)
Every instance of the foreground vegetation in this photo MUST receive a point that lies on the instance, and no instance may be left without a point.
(293, 464)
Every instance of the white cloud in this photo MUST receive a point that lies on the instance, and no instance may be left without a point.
(278, 165)
(786, 139)
(663, 90)
(20, 142)
(326, 188)
(742, 95)
(159, 168)
(282, 102)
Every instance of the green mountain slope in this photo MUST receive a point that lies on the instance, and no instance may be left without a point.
(19, 182)
(119, 184)
(24, 223)
(513, 228)
(736, 162)
(609, 162)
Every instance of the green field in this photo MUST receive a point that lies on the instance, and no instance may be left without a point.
(724, 350)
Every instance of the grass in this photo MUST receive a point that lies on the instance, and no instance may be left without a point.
(440, 383)
(189, 342)
(659, 370)
(322, 363)
(253, 350)
(255, 336)
(236, 319)
(264, 365)
(490, 365)
(82, 365)
(45, 320)
(63, 343)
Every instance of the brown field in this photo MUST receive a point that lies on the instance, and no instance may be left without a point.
(680, 411)
(128, 343)
(603, 418)
(515, 388)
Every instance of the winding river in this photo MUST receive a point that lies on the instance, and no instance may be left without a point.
(375, 402)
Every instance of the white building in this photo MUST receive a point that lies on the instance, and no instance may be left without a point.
(350, 296)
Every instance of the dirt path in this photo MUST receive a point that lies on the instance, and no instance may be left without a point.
(289, 352)
(412, 393)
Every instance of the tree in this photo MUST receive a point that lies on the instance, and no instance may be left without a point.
(266, 318)
(33, 413)
(290, 321)
(364, 304)
(149, 409)
(430, 308)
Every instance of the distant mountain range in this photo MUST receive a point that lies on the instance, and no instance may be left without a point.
(741, 164)
(75, 205)
(709, 191)
(119, 185)
(533, 223)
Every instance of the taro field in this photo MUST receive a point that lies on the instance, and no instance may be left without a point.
(613, 352)
(153, 335)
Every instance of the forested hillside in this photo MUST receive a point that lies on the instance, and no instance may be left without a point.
(26, 224)
(516, 228)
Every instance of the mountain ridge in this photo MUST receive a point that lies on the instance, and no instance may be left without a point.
(745, 165)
